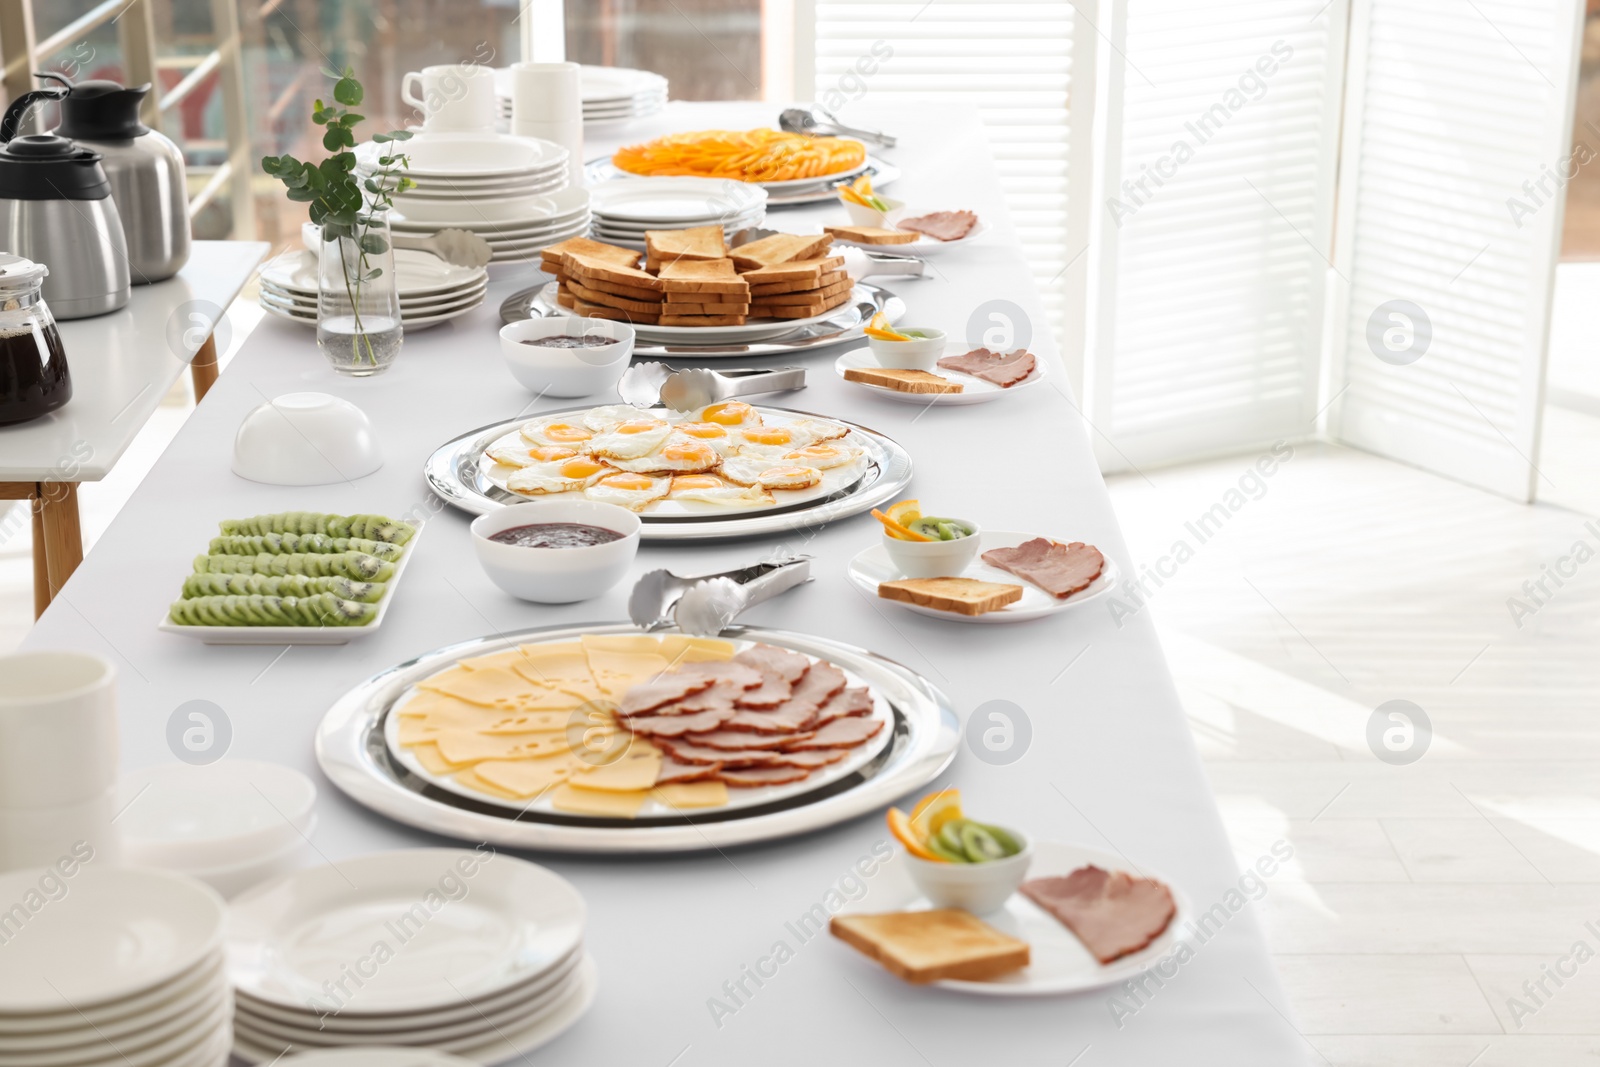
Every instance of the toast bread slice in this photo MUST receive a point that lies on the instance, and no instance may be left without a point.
(612, 300)
(779, 248)
(873, 235)
(930, 946)
(963, 596)
(701, 242)
(632, 292)
(674, 307)
(702, 320)
(821, 281)
(903, 381)
(703, 276)
(801, 311)
(600, 311)
(811, 296)
(565, 298)
(792, 271)
(583, 246)
(580, 266)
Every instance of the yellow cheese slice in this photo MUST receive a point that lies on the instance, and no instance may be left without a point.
(526, 778)
(560, 665)
(471, 780)
(615, 672)
(681, 648)
(502, 660)
(447, 713)
(691, 794)
(428, 755)
(497, 687)
(595, 802)
(464, 746)
(635, 643)
(623, 776)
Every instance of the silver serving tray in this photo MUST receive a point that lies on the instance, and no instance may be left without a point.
(351, 751)
(881, 173)
(454, 475)
(845, 324)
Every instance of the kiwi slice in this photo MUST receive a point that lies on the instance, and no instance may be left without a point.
(940, 849)
(949, 836)
(979, 845)
(1006, 839)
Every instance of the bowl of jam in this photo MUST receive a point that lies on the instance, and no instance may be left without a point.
(556, 551)
(567, 355)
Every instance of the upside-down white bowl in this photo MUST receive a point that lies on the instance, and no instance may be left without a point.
(556, 575)
(566, 371)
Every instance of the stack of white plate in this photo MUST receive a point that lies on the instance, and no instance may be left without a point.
(472, 167)
(431, 290)
(610, 94)
(517, 228)
(109, 967)
(624, 209)
(467, 952)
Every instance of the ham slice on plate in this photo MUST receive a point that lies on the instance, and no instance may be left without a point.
(772, 691)
(673, 771)
(1058, 569)
(750, 777)
(845, 733)
(845, 703)
(942, 225)
(1111, 912)
(677, 725)
(742, 740)
(660, 691)
(769, 659)
(1004, 369)
(685, 752)
(815, 689)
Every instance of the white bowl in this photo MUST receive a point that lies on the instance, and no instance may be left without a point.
(556, 575)
(566, 371)
(235, 878)
(933, 559)
(58, 728)
(862, 215)
(305, 439)
(919, 353)
(976, 887)
(223, 814)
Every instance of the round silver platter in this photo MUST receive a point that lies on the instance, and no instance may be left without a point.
(352, 753)
(455, 474)
(843, 325)
(881, 173)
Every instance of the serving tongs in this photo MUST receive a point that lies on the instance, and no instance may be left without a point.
(645, 384)
(804, 120)
(707, 604)
(858, 263)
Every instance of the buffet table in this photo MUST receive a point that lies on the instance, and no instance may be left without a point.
(1107, 761)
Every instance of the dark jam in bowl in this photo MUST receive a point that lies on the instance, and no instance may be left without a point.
(556, 535)
(567, 340)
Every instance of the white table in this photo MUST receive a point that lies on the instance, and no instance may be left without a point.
(1111, 762)
(122, 365)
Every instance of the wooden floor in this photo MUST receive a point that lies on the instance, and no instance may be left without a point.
(1421, 896)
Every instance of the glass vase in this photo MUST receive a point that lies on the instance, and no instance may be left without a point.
(358, 301)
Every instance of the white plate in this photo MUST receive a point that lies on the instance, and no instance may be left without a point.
(517, 211)
(923, 245)
(514, 922)
(291, 300)
(755, 330)
(639, 229)
(873, 565)
(453, 192)
(688, 201)
(609, 83)
(410, 320)
(467, 155)
(416, 274)
(504, 1048)
(300, 635)
(117, 934)
(1060, 963)
(155, 1045)
(974, 390)
(510, 232)
(738, 798)
(378, 1056)
(117, 1020)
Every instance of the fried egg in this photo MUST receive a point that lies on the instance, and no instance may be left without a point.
(823, 456)
(820, 430)
(631, 439)
(729, 413)
(716, 436)
(770, 440)
(525, 455)
(790, 477)
(678, 455)
(747, 469)
(631, 491)
(710, 489)
(560, 432)
(558, 476)
(609, 416)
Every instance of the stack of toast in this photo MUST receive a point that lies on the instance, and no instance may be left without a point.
(691, 278)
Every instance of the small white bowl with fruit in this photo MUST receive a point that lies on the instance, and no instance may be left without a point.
(927, 546)
(957, 862)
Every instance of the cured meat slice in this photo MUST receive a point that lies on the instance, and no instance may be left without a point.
(769, 659)
(722, 694)
(797, 713)
(812, 759)
(840, 733)
(688, 753)
(749, 777)
(845, 703)
(942, 225)
(1004, 369)
(660, 691)
(734, 740)
(1058, 569)
(772, 691)
(673, 771)
(1111, 912)
(677, 725)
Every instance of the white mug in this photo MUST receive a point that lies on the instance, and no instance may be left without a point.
(58, 729)
(42, 837)
(454, 97)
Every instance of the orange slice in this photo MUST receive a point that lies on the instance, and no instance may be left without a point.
(906, 512)
(900, 827)
(897, 531)
(883, 330)
(934, 810)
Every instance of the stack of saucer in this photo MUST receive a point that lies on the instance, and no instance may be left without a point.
(517, 228)
(472, 166)
(461, 951)
(431, 290)
(610, 94)
(625, 208)
(112, 966)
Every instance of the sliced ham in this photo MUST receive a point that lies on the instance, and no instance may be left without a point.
(673, 771)
(1111, 912)
(942, 225)
(769, 659)
(772, 691)
(750, 777)
(845, 703)
(680, 724)
(818, 757)
(689, 753)
(840, 733)
(660, 691)
(735, 740)
(1058, 569)
(1004, 369)
(818, 686)
(723, 694)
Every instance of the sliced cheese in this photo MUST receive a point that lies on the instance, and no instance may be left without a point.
(428, 755)
(622, 776)
(616, 672)
(471, 780)
(464, 746)
(691, 794)
(597, 802)
(560, 665)
(524, 779)
(496, 687)
(681, 648)
(503, 660)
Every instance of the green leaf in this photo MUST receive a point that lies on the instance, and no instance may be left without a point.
(381, 138)
(400, 135)
(350, 118)
(333, 139)
(328, 72)
(348, 91)
(373, 244)
(375, 272)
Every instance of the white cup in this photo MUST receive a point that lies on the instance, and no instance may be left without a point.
(454, 97)
(39, 837)
(547, 102)
(58, 729)
(568, 135)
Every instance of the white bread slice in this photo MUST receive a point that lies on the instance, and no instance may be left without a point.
(964, 596)
(929, 946)
(903, 381)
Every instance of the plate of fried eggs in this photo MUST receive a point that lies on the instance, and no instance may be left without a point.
(725, 458)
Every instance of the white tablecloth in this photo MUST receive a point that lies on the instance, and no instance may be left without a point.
(1111, 763)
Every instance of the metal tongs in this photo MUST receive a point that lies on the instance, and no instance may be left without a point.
(858, 263)
(804, 120)
(707, 604)
(645, 384)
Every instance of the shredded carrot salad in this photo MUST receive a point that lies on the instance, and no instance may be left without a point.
(744, 155)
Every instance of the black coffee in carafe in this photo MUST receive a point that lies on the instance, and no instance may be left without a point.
(34, 379)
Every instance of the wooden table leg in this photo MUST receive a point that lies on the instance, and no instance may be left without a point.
(203, 368)
(55, 526)
(41, 571)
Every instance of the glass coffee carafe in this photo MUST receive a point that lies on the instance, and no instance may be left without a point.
(33, 366)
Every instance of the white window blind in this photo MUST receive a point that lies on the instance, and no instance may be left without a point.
(1453, 108)
(1214, 225)
(1013, 60)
